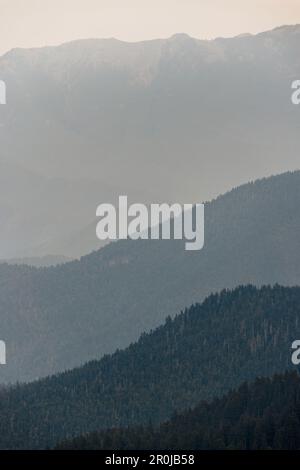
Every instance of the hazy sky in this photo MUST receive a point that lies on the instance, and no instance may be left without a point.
(28, 23)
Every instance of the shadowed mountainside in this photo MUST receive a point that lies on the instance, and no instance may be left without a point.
(207, 350)
(261, 415)
(59, 317)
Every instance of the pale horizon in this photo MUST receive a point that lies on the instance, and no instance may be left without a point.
(39, 23)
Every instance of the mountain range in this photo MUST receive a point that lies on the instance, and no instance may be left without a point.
(232, 337)
(56, 318)
(92, 119)
(129, 342)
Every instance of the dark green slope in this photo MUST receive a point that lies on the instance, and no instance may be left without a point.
(58, 318)
(262, 415)
(210, 348)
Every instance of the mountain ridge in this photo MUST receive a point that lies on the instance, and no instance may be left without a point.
(140, 119)
(112, 295)
(230, 422)
(210, 348)
(290, 28)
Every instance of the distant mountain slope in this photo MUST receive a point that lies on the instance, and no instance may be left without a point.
(202, 353)
(262, 415)
(175, 119)
(39, 262)
(38, 213)
(58, 318)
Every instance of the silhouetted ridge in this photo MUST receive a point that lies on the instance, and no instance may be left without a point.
(58, 318)
(202, 353)
(262, 415)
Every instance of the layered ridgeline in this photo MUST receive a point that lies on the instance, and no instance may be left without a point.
(92, 119)
(202, 353)
(262, 415)
(39, 262)
(60, 317)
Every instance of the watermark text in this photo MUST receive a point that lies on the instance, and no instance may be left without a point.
(161, 221)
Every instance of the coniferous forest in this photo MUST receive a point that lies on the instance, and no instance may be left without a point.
(261, 415)
(149, 226)
(202, 353)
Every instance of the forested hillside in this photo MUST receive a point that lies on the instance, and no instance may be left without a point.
(202, 353)
(262, 415)
(59, 317)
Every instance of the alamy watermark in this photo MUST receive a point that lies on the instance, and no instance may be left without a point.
(160, 221)
(296, 352)
(2, 92)
(296, 93)
(2, 353)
